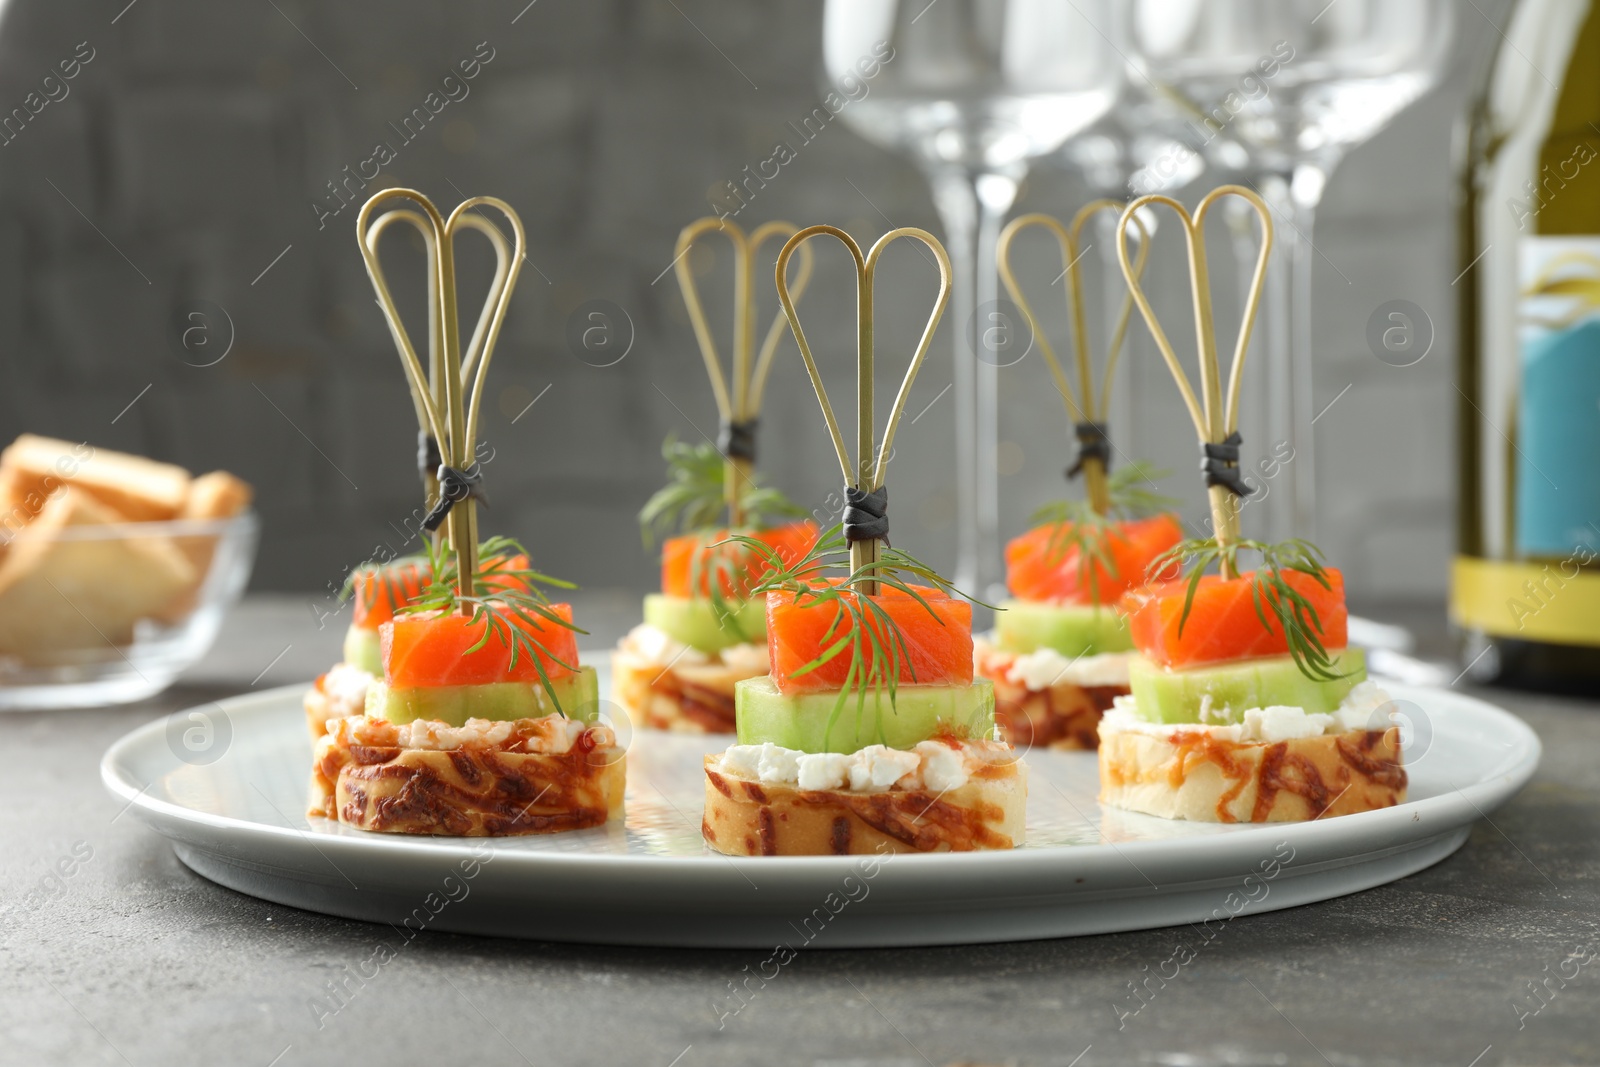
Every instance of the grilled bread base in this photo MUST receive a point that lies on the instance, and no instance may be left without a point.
(1190, 774)
(1065, 716)
(475, 790)
(750, 818)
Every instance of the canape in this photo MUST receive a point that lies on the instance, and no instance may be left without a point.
(1229, 722)
(701, 634)
(477, 718)
(480, 724)
(870, 731)
(1247, 704)
(1059, 652)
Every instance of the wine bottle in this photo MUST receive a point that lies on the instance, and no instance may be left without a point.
(1525, 583)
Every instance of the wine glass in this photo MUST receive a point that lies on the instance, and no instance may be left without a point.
(973, 90)
(1280, 90)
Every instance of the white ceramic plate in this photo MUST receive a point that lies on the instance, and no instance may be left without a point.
(240, 820)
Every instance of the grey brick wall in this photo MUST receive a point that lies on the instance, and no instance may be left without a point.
(189, 150)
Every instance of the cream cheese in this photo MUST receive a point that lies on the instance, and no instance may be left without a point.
(931, 765)
(1045, 667)
(551, 734)
(1361, 709)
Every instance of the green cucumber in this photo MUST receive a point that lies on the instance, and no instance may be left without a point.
(1163, 695)
(696, 622)
(1073, 630)
(455, 704)
(918, 713)
(361, 650)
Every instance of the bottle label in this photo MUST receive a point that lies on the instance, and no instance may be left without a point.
(1557, 603)
(1557, 509)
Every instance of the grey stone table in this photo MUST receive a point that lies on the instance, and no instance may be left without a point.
(123, 956)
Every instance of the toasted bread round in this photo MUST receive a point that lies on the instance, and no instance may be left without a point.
(1193, 774)
(471, 789)
(1064, 716)
(750, 818)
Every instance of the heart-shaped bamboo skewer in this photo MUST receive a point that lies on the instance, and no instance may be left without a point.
(449, 402)
(1215, 415)
(865, 475)
(738, 407)
(429, 445)
(1084, 408)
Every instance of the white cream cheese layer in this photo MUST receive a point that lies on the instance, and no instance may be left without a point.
(1046, 667)
(1360, 710)
(932, 765)
(551, 734)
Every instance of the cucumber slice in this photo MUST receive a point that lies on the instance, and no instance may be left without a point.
(455, 704)
(694, 621)
(1071, 629)
(919, 712)
(1163, 695)
(361, 650)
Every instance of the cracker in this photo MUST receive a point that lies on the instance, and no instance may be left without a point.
(65, 600)
(140, 489)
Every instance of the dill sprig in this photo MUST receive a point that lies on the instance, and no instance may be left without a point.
(1075, 524)
(696, 493)
(860, 628)
(503, 594)
(1275, 600)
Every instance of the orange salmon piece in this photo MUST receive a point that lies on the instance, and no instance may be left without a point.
(688, 561)
(1223, 624)
(428, 650)
(937, 647)
(1036, 570)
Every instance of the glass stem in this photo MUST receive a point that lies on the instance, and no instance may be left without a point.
(972, 206)
(1293, 197)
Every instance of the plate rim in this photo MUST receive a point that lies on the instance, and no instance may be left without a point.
(1378, 829)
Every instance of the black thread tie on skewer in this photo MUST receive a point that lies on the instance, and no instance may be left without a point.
(428, 457)
(1093, 443)
(866, 515)
(455, 485)
(737, 440)
(1221, 465)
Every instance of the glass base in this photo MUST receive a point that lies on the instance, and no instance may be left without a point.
(103, 691)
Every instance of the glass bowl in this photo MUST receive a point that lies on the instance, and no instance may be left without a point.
(112, 613)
